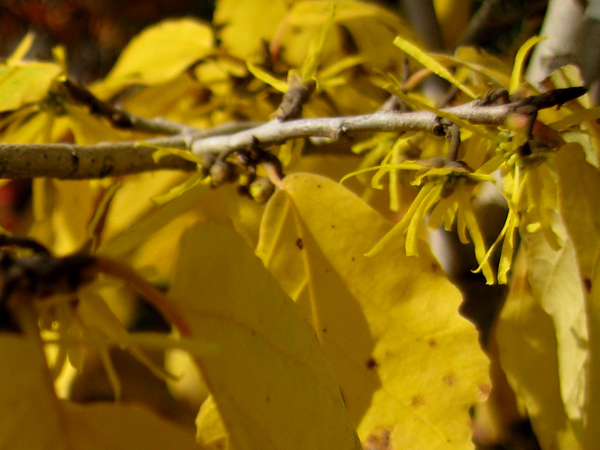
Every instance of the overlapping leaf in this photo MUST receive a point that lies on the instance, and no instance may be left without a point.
(25, 83)
(160, 53)
(271, 383)
(32, 418)
(528, 352)
(578, 185)
(408, 365)
(549, 318)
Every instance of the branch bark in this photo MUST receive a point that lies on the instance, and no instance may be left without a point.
(69, 161)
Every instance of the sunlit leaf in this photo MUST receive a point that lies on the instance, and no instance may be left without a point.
(244, 24)
(408, 365)
(372, 29)
(453, 18)
(25, 83)
(160, 53)
(274, 388)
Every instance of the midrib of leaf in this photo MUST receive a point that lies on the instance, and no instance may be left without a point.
(316, 321)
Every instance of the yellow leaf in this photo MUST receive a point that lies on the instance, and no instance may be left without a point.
(576, 118)
(25, 83)
(32, 126)
(528, 354)
(180, 188)
(126, 236)
(89, 129)
(74, 206)
(32, 418)
(315, 51)
(289, 27)
(28, 405)
(578, 183)
(371, 28)
(161, 53)
(431, 63)
(274, 388)
(453, 18)
(408, 365)
(517, 73)
(104, 426)
(244, 24)
(553, 276)
(592, 434)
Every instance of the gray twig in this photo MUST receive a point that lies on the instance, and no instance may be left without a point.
(69, 161)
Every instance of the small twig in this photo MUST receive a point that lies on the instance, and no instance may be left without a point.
(120, 118)
(421, 14)
(453, 136)
(393, 104)
(298, 94)
(492, 96)
(479, 21)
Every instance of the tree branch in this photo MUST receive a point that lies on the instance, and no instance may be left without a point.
(69, 161)
(120, 118)
(336, 128)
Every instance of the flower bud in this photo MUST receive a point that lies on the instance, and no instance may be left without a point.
(261, 189)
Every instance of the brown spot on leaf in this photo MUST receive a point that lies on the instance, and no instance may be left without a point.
(417, 400)
(435, 268)
(432, 342)
(300, 244)
(353, 258)
(324, 330)
(380, 440)
(371, 363)
(587, 284)
(450, 379)
(484, 391)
